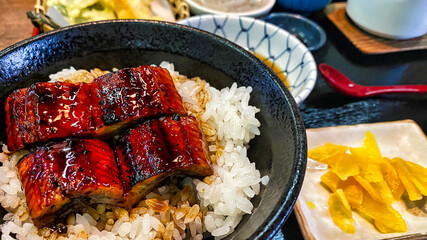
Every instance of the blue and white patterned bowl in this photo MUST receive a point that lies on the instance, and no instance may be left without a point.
(285, 51)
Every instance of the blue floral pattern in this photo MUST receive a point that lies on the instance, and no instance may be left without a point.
(268, 40)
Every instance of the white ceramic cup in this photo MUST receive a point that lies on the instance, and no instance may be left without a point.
(394, 19)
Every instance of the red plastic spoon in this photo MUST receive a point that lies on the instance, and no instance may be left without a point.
(340, 83)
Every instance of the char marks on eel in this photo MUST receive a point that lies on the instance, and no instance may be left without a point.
(59, 177)
(100, 109)
(66, 173)
(159, 148)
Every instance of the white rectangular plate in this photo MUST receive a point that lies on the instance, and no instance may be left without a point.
(404, 139)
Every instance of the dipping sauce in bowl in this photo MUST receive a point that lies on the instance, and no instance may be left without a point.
(276, 69)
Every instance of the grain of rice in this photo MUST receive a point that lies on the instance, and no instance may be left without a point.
(100, 225)
(3, 177)
(24, 217)
(91, 211)
(198, 237)
(146, 224)
(137, 227)
(221, 231)
(121, 214)
(179, 222)
(100, 208)
(193, 229)
(124, 229)
(89, 219)
(164, 217)
(109, 224)
(157, 225)
(176, 235)
(168, 231)
(110, 215)
(265, 180)
(116, 226)
(80, 219)
(78, 228)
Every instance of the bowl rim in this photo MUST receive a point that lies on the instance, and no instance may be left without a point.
(281, 211)
(252, 13)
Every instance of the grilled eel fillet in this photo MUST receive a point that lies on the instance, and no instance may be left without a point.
(46, 111)
(59, 177)
(100, 109)
(157, 149)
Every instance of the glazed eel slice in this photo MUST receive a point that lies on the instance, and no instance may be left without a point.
(46, 111)
(59, 177)
(131, 94)
(101, 109)
(157, 149)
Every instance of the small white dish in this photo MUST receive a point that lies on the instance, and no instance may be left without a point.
(199, 9)
(285, 51)
(393, 19)
(404, 139)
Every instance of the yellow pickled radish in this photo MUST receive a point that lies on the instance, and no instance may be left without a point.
(353, 192)
(346, 166)
(392, 178)
(340, 211)
(369, 159)
(364, 181)
(326, 153)
(405, 176)
(417, 170)
(331, 180)
(386, 219)
(369, 188)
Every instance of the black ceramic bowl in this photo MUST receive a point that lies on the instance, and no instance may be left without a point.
(280, 150)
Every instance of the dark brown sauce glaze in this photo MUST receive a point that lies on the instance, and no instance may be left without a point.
(48, 111)
(61, 109)
(55, 175)
(135, 93)
(159, 148)
(19, 119)
(100, 109)
(59, 177)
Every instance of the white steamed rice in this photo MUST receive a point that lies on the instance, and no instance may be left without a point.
(229, 123)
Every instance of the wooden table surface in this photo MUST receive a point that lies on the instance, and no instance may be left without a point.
(15, 26)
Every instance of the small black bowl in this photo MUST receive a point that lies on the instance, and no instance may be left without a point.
(306, 30)
(279, 152)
